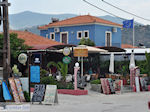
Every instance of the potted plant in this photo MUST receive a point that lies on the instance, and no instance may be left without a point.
(96, 85)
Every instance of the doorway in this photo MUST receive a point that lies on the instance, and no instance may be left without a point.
(64, 37)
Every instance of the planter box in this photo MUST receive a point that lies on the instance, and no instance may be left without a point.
(96, 87)
(72, 92)
(148, 87)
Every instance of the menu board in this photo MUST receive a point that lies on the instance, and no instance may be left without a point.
(19, 89)
(38, 94)
(14, 90)
(35, 74)
(51, 95)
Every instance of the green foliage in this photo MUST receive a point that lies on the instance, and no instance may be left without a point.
(60, 85)
(48, 80)
(148, 63)
(95, 81)
(122, 67)
(142, 66)
(15, 69)
(16, 45)
(87, 42)
(27, 96)
(62, 67)
(43, 73)
(104, 67)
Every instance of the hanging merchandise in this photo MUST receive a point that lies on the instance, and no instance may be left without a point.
(22, 58)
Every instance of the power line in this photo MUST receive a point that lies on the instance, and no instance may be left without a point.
(104, 10)
(126, 11)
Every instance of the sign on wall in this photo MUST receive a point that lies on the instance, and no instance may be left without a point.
(38, 93)
(66, 59)
(35, 74)
(66, 51)
(80, 52)
(51, 95)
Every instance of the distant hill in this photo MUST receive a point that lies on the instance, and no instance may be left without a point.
(29, 19)
(142, 35)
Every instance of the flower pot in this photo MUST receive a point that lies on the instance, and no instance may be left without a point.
(96, 87)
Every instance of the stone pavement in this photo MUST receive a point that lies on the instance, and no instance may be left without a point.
(96, 102)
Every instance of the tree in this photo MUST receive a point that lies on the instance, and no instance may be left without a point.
(87, 42)
(16, 45)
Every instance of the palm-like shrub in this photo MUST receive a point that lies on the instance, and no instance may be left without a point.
(62, 67)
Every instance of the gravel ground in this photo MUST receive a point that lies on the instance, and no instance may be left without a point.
(96, 102)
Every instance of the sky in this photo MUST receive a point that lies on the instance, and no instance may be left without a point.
(138, 7)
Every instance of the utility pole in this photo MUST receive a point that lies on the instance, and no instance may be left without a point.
(6, 40)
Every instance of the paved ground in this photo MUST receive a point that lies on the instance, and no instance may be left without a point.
(96, 102)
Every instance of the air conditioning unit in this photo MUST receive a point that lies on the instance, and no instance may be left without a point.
(56, 30)
(114, 29)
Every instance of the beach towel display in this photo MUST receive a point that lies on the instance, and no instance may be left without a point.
(19, 89)
(6, 93)
(14, 90)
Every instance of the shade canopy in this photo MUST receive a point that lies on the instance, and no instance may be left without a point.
(91, 49)
(61, 46)
(112, 49)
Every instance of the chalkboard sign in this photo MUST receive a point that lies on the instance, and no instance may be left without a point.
(19, 89)
(38, 93)
(35, 74)
(51, 95)
(14, 89)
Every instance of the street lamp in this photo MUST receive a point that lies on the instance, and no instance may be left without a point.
(76, 68)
